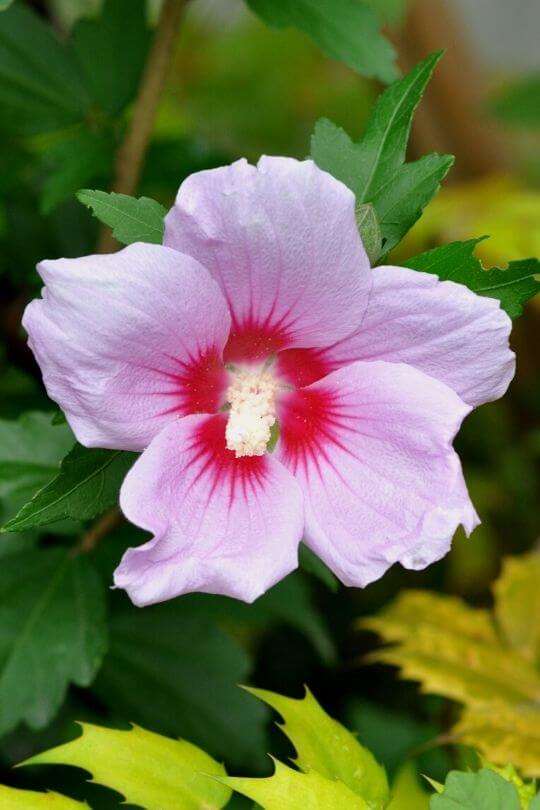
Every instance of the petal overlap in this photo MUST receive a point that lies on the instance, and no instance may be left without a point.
(371, 447)
(128, 342)
(281, 240)
(221, 524)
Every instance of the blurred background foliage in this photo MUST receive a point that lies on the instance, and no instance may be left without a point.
(239, 87)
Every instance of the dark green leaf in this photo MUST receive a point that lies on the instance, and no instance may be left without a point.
(30, 453)
(375, 168)
(80, 158)
(88, 483)
(176, 673)
(519, 104)
(513, 287)
(53, 632)
(5, 4)
(348, 30)
(370, 231)
(313, 565)
(112, 50)
(132, 219)
(484, 790)
(41, 85)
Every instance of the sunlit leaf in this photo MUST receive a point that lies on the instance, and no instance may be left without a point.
(457, 262)
(407, 792)
(52, 615)
(348, 30)
(88, 483)
(132, 219)
(484, 790)
(324, 745)
(14, 799)
(517, 604)
(149, 770)
(375, 167)
(291, 790)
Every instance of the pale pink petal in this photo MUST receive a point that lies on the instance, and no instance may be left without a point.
(371, 446)
(221, 524)
(281, 240)
(439, 327)
(128, 342)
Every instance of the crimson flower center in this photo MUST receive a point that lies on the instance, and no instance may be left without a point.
(252, 412)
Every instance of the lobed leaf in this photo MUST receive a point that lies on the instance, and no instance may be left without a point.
(375, 167)
(132, 219)
(15, 799)
(513, 287)
(52, 615)
(347, 30)
(484, 790)
(324, 745)
(517, 604)
(149, 770)
(290, 790)
(88, 483)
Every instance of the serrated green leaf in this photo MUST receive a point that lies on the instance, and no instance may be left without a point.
(504, 734)
(176, 672)
(348, 30)
(290, 790)
(30, 453)
(41, 85)
(112, 50)
(324, 745)
(484, 790)
(513, 287)
(517, 604)
(375, 168)
(88, 483)
(149, 770)
(52, 615)
(132, 219)
(15, 799)
(452, 650)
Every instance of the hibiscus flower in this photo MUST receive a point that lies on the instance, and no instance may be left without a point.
(278, 387)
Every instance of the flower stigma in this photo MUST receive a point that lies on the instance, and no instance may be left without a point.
(252, 412)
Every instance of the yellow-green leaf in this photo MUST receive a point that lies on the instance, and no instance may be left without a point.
(517, 604)
(504, 734)
(149, 770)
(291, 790)
(453, 650)
(14, 799)
(407, 792)
(324, 745)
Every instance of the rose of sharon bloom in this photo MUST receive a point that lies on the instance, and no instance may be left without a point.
(261, 315)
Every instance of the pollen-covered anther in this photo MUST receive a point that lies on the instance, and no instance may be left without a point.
(251, 397)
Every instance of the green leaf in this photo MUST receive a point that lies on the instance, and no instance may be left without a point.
(52, 615)
(112, 51)
(14, 799)
(147, 769)
(517, 604)
(324, 745)
(88, 483)
(375, 168)
(535, 804)
(30, 452)
(519, 103)
(132, 219)
(370, 231)
(80, 158)
(407, 792)
(310, 563)
(290, 790)
(484, 790)
(41, 86)
(175, 672)
(513, 287)
(5, 4)
(347, 30)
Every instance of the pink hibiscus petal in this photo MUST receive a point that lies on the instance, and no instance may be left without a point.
(221, 524)
(371, 446)
(128, 342)
(439, 327)
(281, 240)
